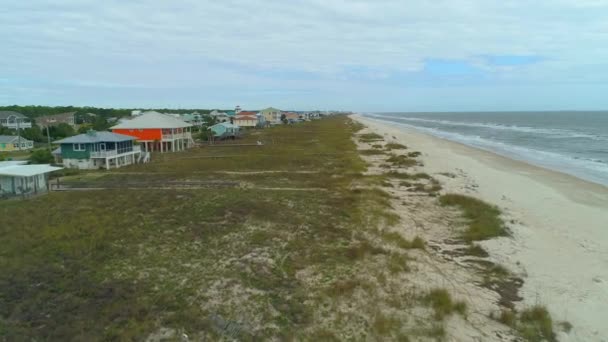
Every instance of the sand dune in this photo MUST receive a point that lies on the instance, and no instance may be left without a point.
(559, 225)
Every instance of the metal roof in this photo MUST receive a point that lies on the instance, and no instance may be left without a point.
(93, 137)
(152, 120)
(6, 113)
(5, 139)
(26, 170)
(225, 124)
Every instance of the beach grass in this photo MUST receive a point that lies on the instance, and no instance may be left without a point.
(268, 252)
(484, 220)
(534, 324)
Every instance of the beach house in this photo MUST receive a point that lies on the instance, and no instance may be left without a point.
(158, 132)
(10, 143)
(246, 119)
(271, 115)
(19, 179)
(14, 120)
(99, 150)
(224, 130)
(54, 120)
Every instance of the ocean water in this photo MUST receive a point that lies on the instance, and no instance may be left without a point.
(571, 142)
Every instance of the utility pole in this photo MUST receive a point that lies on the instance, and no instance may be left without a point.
(18, 134)
(48, 136)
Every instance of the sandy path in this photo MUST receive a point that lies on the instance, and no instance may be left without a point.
(559, 225)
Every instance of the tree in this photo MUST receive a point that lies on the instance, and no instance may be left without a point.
(42, 157)
(34, 134)
(284, 118)
(62, 130)
(100, 124)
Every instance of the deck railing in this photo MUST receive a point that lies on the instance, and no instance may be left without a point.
(113, 153)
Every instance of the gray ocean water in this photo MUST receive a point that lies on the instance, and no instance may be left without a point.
(571, 142)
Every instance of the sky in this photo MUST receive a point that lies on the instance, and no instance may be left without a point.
(359, 55)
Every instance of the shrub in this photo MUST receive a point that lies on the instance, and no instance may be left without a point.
(42, 157)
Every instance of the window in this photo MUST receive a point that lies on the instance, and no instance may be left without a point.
(79, 147)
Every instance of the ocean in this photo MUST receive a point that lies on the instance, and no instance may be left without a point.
(571, 142)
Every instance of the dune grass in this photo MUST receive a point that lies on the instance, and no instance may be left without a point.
(266, 255)
(534, 324)
(401, 161)
(395, 146)
(484, 220)
(442, 303)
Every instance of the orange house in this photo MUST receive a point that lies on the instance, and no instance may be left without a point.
(158, 132)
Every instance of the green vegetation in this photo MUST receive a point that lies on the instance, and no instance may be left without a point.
(401, 161)
(534, 324)
(395, 146)
(398, 240)
(370, 137)
(273, 245)
(484, 220)
(371, 152)
(441, 301)
(41, 156)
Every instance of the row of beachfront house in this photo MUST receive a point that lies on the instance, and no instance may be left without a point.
(129, 142)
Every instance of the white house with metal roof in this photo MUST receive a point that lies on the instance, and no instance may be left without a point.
(19, 179)
(158, 132)
(14, 120)
(99, 150)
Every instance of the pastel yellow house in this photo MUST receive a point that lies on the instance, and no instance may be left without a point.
(11, 143)
(271, 114)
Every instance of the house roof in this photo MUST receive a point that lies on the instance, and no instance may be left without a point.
(246, 113)
(26, 170)
(152, 120)
(6, 113)
(60, 117)
(5, 139)
(270, 109)
(245, 117)
(225, 124)
(93, 137)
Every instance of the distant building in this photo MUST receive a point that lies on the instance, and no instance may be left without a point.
(10, 143)
(220, 116)
(54, 120)
(224, 130)
(248, 120)
(136, 112)
(158, 132)
(99, 150)
(14, 120)
(271, 114)
(19, 179)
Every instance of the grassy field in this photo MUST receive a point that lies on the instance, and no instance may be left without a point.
(294, 250)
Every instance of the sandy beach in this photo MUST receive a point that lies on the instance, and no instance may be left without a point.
(558, 224)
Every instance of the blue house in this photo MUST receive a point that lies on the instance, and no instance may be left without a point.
(224, 130)
(99, 150)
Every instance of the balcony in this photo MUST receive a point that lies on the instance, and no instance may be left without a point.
(15, 125)
(169, 136)
(116, 153)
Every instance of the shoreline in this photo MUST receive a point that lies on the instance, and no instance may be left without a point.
(495, 153)
(558, 242)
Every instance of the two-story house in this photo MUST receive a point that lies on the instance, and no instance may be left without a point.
(99, 150)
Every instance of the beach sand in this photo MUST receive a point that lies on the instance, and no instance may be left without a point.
(559, 225)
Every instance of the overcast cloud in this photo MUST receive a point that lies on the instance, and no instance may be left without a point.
(374, 55)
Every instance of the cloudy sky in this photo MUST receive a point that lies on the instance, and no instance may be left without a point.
(365, 55)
